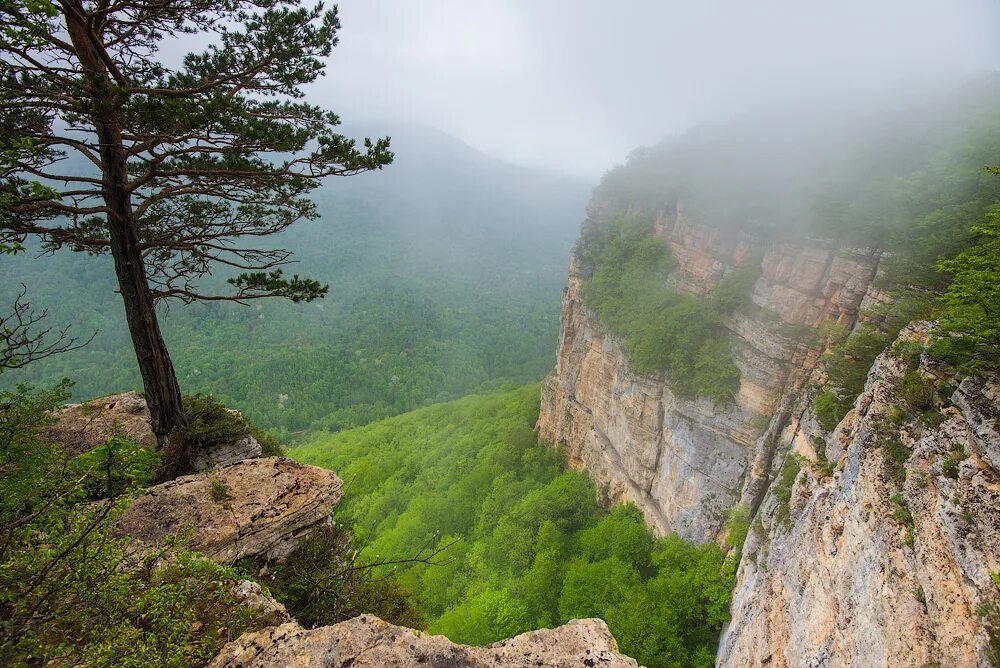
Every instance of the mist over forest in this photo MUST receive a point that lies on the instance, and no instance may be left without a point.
(499, 333)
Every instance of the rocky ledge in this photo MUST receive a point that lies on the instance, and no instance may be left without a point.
(369, 642)
(258, 507)
(81, 427)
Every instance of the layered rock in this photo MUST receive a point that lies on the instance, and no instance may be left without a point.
(683, 461)
(369, 642)
(255, 508)
(879, 558)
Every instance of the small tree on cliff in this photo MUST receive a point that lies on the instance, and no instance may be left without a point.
(178, 163)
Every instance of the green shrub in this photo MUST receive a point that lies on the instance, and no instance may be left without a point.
(783, 487)
(916, 391)
(326, 580)
(211, 423)
(931, 418)
(115, 467)
(902, 512)
(950, 467)
(70, 590)
(847, 369)
(218, 490)
(269, 446)
(733, 292)
(830, 409)
(894, 455)
(737, 526)
(909, 352)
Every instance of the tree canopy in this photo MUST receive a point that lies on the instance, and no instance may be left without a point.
(172, 166)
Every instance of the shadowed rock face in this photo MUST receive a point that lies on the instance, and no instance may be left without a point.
(840, 576)
(368, 642)
(258, 507)
(685, 461)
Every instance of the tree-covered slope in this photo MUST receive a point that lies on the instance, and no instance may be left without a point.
(445, 273)
(524, 542)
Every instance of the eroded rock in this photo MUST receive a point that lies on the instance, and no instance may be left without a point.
(369, 642)
(257, 507)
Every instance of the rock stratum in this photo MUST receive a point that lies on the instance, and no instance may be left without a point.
(255, 508)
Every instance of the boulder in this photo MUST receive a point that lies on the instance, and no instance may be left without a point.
(255, 508)
(369, 642)
(84, 426)
(251, 595)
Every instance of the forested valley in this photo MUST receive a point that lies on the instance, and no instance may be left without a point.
(557, 416)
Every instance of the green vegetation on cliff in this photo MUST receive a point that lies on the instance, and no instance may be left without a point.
(970, 316)
(662, 329)
(526, 543)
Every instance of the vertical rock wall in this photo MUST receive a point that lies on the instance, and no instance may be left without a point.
(684, 462)
(865, 565)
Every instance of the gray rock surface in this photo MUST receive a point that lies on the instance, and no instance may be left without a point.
(369, 642)
(222, 455)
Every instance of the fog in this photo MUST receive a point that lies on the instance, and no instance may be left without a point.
(574, 85)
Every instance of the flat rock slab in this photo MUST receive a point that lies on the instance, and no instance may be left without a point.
(82, 427)
(369, 642)
(258, 507)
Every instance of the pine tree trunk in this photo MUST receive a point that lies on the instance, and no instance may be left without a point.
(163, 394)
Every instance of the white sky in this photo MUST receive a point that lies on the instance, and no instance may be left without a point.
(574, 85)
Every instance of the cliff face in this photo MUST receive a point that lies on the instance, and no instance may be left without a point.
(684, 462)
(866, 565)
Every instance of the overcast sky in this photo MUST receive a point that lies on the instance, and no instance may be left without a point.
(574, 85)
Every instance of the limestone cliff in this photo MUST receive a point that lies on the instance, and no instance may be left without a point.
(684, 462)
(882, 556)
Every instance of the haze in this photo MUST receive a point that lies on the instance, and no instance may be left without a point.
(575, 85)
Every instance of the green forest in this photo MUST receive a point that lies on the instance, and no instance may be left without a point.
(523, 542)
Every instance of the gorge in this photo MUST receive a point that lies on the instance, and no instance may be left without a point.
(874, 540)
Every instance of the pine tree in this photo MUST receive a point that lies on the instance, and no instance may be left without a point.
(181, 165)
